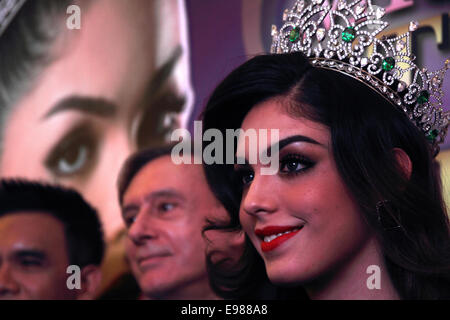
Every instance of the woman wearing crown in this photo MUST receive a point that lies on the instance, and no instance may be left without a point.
(355, 210)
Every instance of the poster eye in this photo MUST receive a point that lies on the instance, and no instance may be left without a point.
(74, 154)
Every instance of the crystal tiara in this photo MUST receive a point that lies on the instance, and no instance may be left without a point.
(8, 10)
(344, 39)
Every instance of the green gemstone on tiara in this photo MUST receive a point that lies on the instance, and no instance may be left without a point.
(423, 97)
(388, 63)
(348, 35)
(432, 135)
(294, 35)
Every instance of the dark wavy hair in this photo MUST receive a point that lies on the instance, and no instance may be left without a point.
(365, 128)
(26, 48)
(81, 224)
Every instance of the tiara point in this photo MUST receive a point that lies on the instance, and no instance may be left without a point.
(436, 82)
(274, 31)
(300, 5)
(378, 12)
(401, 86)
(285, 14)
(320, 34)
(400, 45)
(360, 8)
(341, 4)
(364, 62)
(413, 25)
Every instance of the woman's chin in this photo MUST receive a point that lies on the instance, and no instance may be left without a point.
(287, 278)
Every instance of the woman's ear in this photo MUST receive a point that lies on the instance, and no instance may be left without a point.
(403, 161)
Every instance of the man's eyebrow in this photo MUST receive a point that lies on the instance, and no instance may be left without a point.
(33, 253)
(130, 207)
(152, 196)
(164, 193)
(95, 106)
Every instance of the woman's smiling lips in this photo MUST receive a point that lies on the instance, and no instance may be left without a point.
(273, 236)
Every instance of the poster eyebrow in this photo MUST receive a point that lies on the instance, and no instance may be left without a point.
(95, 106)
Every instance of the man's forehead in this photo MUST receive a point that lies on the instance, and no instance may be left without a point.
(32, 233)
(34, 226)
(162, 174)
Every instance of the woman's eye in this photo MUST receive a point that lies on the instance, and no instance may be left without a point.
(291, 166)
(73, 155)
(247, 178)
(244, 176)
(294, 164)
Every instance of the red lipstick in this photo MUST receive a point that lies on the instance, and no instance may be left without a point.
(273, 236)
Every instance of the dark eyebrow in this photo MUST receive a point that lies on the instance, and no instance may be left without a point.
(130, 207)
(283, 143)
(154, 195)
(165, 193)
(95, 106)
(33, 253)
(297, 138)
(107, 109)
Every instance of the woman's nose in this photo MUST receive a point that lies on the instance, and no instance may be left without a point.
(260, 197)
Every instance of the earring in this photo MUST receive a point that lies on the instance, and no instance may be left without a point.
(386, 218)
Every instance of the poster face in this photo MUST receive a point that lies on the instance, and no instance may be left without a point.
(86, 84)
(101, 90)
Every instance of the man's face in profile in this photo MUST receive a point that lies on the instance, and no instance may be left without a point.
(107, 93)
(33, 258)
(165, 208)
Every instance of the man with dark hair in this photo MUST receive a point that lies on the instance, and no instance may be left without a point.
(43, 230)
(165, 207)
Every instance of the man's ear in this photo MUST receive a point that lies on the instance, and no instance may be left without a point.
(91, 276)
(403, 161)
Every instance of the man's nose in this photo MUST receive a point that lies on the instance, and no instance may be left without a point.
(8, 285)
(142, 229)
